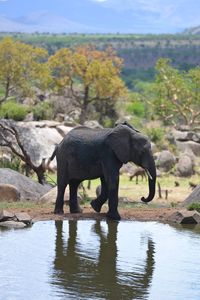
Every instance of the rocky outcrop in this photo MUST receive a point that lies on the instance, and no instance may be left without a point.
(40, 137)
(18, 220)
(28, 189)
(193, 197)
(185, 139)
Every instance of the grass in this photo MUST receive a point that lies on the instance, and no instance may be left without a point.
(128, 190)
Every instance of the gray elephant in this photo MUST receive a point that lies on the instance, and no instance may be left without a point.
(87, 153)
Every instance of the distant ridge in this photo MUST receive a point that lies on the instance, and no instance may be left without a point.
(192, 30)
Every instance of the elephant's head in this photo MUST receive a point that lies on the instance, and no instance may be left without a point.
(130, 145)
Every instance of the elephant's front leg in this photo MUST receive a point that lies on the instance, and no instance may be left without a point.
(101, 199)
(73, 200)
(113, 187)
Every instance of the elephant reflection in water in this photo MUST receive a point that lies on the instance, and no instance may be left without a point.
(85, 277)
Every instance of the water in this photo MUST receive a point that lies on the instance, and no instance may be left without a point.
(100, 260)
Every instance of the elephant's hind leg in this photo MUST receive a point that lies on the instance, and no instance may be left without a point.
(101, 199)
(62, 182)
(73, 200)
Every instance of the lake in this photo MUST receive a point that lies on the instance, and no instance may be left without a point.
(89, 259)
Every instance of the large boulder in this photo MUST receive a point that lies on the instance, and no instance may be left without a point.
(40, 137)
(185, 166)
(165, 161)
(9, 193)
(29, 189)
(50, 196)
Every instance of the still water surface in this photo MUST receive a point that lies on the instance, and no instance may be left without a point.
(100, 260)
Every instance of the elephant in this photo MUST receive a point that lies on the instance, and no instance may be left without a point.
(86, 153)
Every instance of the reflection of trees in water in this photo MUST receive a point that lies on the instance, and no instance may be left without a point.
(84, 277)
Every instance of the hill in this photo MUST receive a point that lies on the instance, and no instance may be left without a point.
(192, 30)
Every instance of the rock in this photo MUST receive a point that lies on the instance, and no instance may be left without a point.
(185, 217)
(193, 197)
(24, 217)
(189, 145)
(9, 193)
(185, 167)
(50, 197)
(6, 215)
(12, 224)
(92, 124)
(165, 161)
(29, 189)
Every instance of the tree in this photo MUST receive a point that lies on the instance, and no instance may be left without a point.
(91, 75)
(22, 67)
(10, 137)
(178, 94)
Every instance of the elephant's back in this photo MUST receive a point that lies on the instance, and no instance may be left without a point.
(87, 134)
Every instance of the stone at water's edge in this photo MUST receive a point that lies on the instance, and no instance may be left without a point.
(18, 220)
(24, 217)
(12, 224)
(6, 215)
(185, 217)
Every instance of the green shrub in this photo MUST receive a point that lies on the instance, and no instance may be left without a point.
(42, 111)
(194, 206)
(156, 134)
(12, 110)
(136, 108)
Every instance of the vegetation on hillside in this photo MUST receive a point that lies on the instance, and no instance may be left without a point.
(91, 80)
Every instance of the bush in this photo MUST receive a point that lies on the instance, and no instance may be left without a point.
(194, 206)
(12, 110)
(42, 111)
(136, 108)
(156, 134)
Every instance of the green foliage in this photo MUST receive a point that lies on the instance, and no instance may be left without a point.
(194, 206)
(156, 134)
(42, 111)
(14, 164)
(12, 110)
(178, 94)
(136, 108)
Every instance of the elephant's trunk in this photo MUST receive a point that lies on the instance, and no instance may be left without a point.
(151, 172)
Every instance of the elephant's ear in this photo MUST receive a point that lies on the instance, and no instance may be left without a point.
(119, 141)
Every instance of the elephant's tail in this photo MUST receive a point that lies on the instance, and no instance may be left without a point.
(52, 156)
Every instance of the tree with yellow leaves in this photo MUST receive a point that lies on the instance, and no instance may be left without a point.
(22, 67)
(91, 75)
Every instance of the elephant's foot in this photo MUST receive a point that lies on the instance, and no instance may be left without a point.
(58, 211)
(113, 216)
(75, 210)
(95, 205)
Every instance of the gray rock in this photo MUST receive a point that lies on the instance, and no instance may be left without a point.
(29, 189)
(12, 224)
(6, 215)
(193, 197)
(50, 196)
(185, 166)
(9, 193)
(185, 217)
(189, 145)
(165, 161)
(23, 217)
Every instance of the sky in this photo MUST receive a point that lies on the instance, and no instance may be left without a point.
(99, 16)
